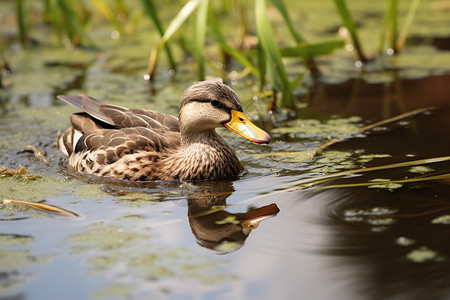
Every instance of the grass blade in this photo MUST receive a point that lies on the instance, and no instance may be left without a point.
(41, 206)
(151, 11)
(372, 183)
(72, 23)
(408, 22)
(103, 8)
(348, 22)
(282, 9)
(307, 50)
(392, 15)
(174, 25)
(380, 123)
(200, 38)
(215, 34)
(275, 66)
(313, 181)
(21, 21)
(310, 62)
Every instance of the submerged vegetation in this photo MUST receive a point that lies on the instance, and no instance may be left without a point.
(197, 29)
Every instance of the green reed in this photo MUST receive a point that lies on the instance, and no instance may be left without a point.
(265, 61)
(349, 23)
(198, 25)
(389, 31)
(21, 21)
(268, 66)
(151, 12)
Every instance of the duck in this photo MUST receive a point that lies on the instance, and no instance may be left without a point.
(146, 145)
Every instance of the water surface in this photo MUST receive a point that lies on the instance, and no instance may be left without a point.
(178, 240)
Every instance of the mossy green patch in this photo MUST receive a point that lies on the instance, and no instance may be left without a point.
(32, 191)
(19, 174)
(380, 221)
(42, 189)
(107, 247)
(404, 241)
(445, 219)
(384, 184)
(104, 237)
(15, 240)
(291, 156)
(101, 263)
(421, 255)
(421, 169)
(369, 157)
(334, 161)
(115, 291)
(14, 258)
(312, 128)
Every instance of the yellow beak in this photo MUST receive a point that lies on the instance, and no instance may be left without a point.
(241, 125)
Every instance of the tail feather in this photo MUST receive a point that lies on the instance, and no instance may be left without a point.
(91, 106)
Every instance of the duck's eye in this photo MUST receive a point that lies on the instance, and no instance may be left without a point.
(215, 102)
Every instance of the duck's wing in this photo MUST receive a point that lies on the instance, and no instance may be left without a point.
(116, 128)
(112, 144)
(86, 134)
(120, 117)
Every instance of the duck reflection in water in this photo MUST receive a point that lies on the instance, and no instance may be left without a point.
(217, 229)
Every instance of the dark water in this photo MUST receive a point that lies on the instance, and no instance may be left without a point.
(156, 241)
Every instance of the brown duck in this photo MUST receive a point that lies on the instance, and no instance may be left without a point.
(138, 144)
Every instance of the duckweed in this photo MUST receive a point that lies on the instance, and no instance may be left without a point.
(384, 184)
(421, 255)
(441, 220)
(421, 169)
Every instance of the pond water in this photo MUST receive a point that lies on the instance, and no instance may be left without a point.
(179, 240)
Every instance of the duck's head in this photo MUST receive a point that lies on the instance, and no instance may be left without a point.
(210, 104)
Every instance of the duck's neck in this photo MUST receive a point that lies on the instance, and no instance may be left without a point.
(205, 155)
(203, 137)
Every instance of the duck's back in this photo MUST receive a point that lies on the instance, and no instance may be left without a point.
(110, 140)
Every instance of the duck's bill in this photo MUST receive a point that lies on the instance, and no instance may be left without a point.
(241, 125)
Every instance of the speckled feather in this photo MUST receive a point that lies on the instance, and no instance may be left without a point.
(138, 144)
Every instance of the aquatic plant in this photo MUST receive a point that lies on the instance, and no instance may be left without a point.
(269, 66)
(197, 28)
(389, 31)
(263, 59)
